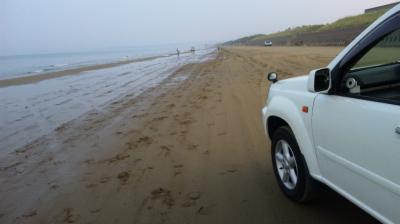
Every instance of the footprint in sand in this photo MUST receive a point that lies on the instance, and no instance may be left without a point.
(95, 211)
(53, 186)
(145, 140)
(191, 198)
(186, 122)
(123, 177)
(178, 170)
(192, 147)
(178, 166)
(89, 161)
(131, 145)
(166, 149)
(160, 118)
(69, 216)
(91, 185)
(138, 115)
(104, 180)
(164, 195)
(172, 133)
(222, 133)
(207, 152)
(58, 162)
(29, 214)
(117, 158)
(119, 132)
(231, 170)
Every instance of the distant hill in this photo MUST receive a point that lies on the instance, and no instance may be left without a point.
(340, 32)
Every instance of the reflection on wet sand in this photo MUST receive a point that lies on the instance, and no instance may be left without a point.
(32, 110)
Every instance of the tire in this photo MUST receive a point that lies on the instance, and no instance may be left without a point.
(290, 168)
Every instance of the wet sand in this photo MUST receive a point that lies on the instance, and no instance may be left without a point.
(23, 80)
(189, 150)
(33, 110)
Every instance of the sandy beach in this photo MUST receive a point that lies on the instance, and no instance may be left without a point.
(189, 148)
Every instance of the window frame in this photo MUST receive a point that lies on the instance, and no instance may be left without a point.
(370, 40)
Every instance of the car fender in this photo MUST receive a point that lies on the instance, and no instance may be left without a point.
(285, 109)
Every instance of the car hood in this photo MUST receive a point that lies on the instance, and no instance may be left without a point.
(292, 84)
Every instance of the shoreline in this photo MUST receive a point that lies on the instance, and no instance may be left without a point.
(29, 78)
(23, 80)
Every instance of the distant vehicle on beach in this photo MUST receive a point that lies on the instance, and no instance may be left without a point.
(268, 43)
(340, 125)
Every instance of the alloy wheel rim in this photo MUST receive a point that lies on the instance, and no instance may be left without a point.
(286, 164)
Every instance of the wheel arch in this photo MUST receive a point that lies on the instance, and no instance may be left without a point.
(273, 123)
(282, 112)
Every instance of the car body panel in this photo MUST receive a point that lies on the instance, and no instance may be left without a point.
(358, 150)
(283, 101)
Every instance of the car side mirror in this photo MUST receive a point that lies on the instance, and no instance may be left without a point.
(319, 80)
(272, 77)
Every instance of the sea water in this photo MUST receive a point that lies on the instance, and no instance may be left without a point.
(32, 64)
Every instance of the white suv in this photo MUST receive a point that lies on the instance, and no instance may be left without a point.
(340, 125)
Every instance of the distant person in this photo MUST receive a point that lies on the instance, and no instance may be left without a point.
(192, 50)
(178, 52)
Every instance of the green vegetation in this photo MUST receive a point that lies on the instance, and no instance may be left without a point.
(296, 30)
(249, 38)
(354, 21)
(362, 20)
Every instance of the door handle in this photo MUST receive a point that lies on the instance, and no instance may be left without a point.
(397, 130)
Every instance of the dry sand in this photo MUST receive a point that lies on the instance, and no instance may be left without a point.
(183, 152)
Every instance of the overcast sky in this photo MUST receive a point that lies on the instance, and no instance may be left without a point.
(43, 26)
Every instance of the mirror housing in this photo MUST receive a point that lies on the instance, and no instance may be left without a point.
(319, 80)
(272, 77)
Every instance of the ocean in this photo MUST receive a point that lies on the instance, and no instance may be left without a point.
(27, 65)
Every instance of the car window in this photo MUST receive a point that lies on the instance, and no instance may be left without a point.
(387, 51)
(377, 74)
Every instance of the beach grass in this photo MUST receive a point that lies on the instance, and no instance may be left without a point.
(362, 20)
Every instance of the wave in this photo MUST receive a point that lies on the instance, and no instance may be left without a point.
(58, 65)
(37, 71)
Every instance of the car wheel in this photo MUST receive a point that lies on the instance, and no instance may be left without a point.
(290, 167)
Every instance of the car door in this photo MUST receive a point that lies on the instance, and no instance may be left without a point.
(357, 129)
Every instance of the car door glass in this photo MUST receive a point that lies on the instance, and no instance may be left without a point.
(377, 73)
(386, 51)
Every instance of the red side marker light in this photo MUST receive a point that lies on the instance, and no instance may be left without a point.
(304, 109)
